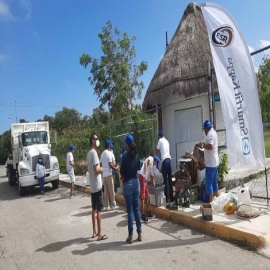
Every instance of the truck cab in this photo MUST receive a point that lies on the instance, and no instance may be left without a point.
(30, 141)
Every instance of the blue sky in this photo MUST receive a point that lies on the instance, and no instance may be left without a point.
(41, 42)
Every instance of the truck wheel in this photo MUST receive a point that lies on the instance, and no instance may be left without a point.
(55, 184)
(21, 189)
(11, 177)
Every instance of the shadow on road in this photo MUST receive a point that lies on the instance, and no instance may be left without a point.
(95, 246)
(121, 245)
(62, 244)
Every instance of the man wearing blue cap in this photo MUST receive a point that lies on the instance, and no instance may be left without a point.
(95, 171)
(163, 147)
(107, 161)
(211, 159)
(70, 169)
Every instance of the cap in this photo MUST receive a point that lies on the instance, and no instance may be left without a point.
(128, 139)
(71, 147)
(108, 143)
(207, 124)
(160, 133)
(157, 160)
(40, 161)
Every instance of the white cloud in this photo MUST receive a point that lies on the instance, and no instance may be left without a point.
(251, 49)
(3, 58)
(5, 13)
(26, 4)
(264, 43)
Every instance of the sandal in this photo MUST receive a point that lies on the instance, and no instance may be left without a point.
(103, 237)
(94, 235)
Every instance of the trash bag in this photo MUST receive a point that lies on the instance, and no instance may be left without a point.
(219, 203)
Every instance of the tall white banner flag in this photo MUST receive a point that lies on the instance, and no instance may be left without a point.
(238, 89)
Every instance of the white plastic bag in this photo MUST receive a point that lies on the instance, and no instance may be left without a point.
(219, 203)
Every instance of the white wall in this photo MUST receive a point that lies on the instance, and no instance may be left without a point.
(175, 108)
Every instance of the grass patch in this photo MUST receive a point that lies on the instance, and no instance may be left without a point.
(266, 132)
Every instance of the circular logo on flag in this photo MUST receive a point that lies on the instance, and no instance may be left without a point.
(223, 36)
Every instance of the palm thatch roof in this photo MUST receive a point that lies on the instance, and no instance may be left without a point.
(183, 69)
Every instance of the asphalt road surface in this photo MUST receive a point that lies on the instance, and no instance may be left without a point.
(52, 231)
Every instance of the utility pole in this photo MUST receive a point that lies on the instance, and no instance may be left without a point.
(16, 111)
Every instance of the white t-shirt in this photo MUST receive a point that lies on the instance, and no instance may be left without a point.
(149, 166)
(40, 170)
(69, 158)
(164, 147)
(105, 158)
(211, 156)
(95, 179)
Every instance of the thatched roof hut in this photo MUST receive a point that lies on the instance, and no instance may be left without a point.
(183, 69)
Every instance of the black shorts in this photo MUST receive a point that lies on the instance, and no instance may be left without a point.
(97, 202)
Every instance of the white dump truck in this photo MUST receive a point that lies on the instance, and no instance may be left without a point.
(29, 141)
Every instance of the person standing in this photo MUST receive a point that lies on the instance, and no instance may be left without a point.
(124, 150)
(121, 157)
(129, 170)
(107, 162)
(147, 173)
(40, 174)
(163, 147)
(70, 169)
(211, 159)
(95, 172)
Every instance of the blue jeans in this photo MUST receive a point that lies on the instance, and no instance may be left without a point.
(211, 179)
(41, 183)
(166, 170)
(131, 194)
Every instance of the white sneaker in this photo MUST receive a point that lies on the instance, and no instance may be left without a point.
(115, 207)
(105, 208)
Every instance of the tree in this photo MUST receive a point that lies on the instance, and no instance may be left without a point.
(264, 78)
(67, 118)
(5, 146)
(115, 75)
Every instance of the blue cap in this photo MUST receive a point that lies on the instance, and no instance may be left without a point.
(40, 161)
(160, 133)
(157, 160)
(128, 139)
(207, 124)
(71, 147)
(108, 143)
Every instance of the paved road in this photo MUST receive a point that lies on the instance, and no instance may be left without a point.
(54, 232)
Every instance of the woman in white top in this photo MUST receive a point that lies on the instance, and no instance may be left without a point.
(146, 173)
(40, 174)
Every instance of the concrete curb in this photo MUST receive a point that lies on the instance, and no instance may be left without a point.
(229, 233)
